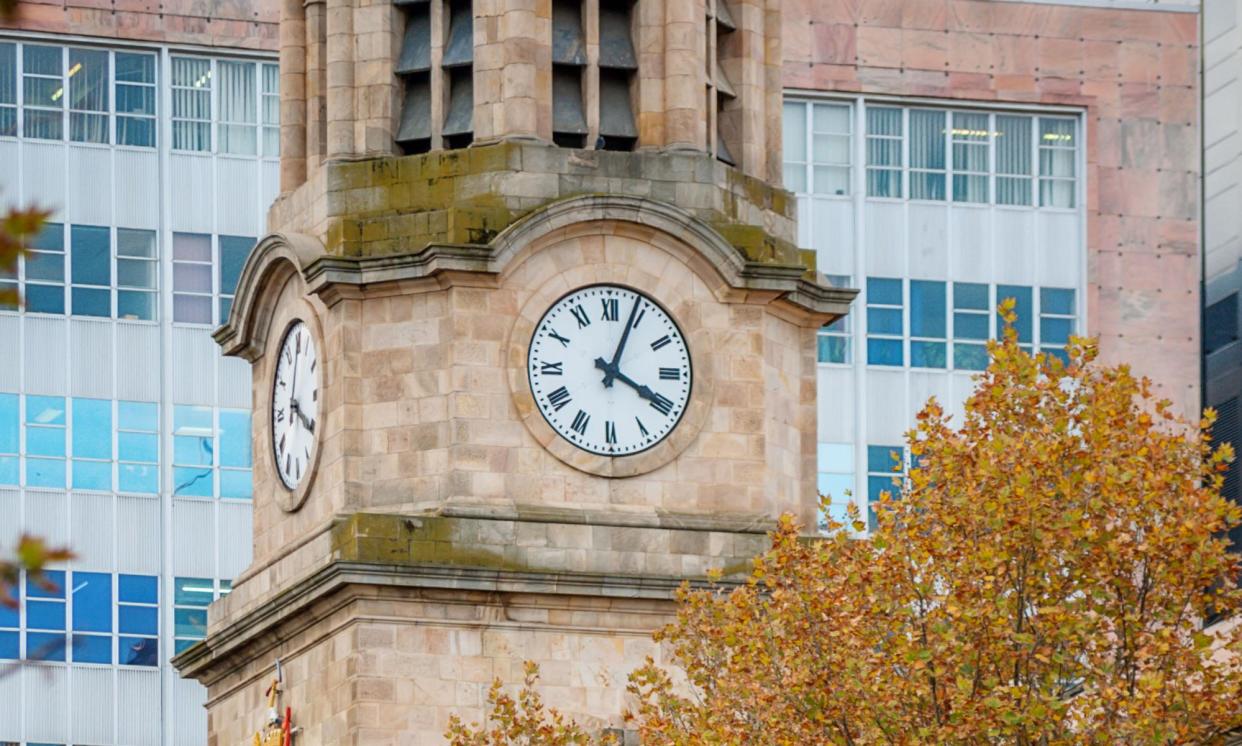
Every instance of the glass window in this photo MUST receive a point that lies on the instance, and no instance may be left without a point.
(92, 612)
(834, 342)
(10, 441)
(43, 92)
(884, 138)
(91, 270)
(138, 620)
(45, 441)
(192, 282)
(45, 271)
(884, 467)
(928, 325)
(884, 322)
(193, 451)
(135, 99)
(191, 597)
(10, 632)
(137, 447)
(8, 89)
(238, 108)
(92, 444)
(1013, 160)
(927, 157)
(1057, 169)
(45, 617)
(271, 110)
(793, 139)
(191, 103)
(233, 253)
(1024, 308)
(830, 143)
(970, 157)
(1056, 320)
(235, 474)
(836, 478)
(88, 95)
(971, 319)
(137, 273)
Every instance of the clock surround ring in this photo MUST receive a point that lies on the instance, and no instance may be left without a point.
(291, 500)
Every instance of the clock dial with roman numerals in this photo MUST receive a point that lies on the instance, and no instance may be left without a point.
(610, 370)
(295, 405)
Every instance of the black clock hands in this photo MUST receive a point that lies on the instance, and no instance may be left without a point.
(310, 425)
(612, 370)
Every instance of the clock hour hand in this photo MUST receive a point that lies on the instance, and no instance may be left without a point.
(612, 372)
(298, 411)
(609, 375)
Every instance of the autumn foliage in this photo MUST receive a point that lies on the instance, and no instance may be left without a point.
(1040, 576)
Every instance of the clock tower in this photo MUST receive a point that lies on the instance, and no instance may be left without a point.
(531, 344)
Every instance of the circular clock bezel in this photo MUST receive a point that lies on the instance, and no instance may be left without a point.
(291, 498)
(689, 396)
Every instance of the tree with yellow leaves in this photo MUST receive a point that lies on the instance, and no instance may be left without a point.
(1042, 575)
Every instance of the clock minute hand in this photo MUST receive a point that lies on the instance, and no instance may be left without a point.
(643, 391)
(298, 411)
(612, 372)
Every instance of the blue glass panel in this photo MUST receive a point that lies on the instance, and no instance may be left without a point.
(835, 457)
(234, 438)
(92, 428)
(190, 451)
(928, 354)
(970, 357)
(927, 309)
(879, 484)
(138, 589)
(1056, 300)
(45, 646)
(181, 645)
(883, 458)
(192, 591)
(970, 325)
(884, 352)
(1059, 354)
(970, 295)
(1055, 331)
(233, 253)
(833, 349)
(138, 651)
(143, 447)
(8, 423)
(45, 441)
(90, 255)
(883, 320)
(236, 483)
(190, 622)
(10, 646)
(49, 267)
(188, 420)
(45, 614)
(883, 291)
(54, 578)
(837, 512)
(1024, 308)
(92, 602)
(43, 472)
(189, 481)
(835, 485)
(138, 620)
(45, 299)
(133, 415)
(90, 302)
(8, 470)
(138, 478)
(92, 648)
(925, 185)
(92, 475)
(9, 617)
(45, 410)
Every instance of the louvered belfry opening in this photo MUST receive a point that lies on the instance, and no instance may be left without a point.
(569, 65)
(414, 69)
(721, 95)
(618, 68)
(458, 66)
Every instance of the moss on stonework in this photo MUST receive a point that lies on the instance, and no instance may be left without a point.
(400, 204)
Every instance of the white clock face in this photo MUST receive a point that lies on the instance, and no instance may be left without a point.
(609, 370)
(295, 405)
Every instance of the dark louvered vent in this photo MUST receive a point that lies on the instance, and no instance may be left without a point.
(458, 64)
(569, 125)
(1220, 324)
(414, 68)
(618, 65)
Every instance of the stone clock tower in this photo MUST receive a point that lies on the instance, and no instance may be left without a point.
(532, 344)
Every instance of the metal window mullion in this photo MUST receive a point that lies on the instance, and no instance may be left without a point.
(1036, 168)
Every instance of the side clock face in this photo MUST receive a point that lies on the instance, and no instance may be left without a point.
(609, 370)
(295, 405)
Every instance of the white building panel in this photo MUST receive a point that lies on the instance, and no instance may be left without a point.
(271, 190)
(195, 352)
(11, 365)
(47, 515)
(832, 236)
(138, 698)
(47, 702)
(138, 367)
(93, 533)
(1014, 246)
(188, 712)
(235, 380)
(193, 538)
(928, 241)
(836, 405)
(137, 190)
(192, 192)
(1059, 259)
(90, 358)
(44, 353)
(10, 185)
(963, 385)
(887, 413)
(10, 703)
(970, 244)
(43, 176)
(89, 169)
(94, 705)
(885, 239)
(138, 534)
(924, 384)
(237, 196)
(236, 549)
(10, 518)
